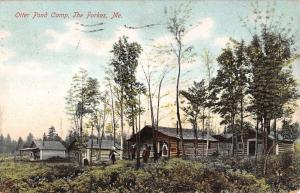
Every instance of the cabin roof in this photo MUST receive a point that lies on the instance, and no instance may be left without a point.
(225, 137)
(188, 134)
(48, 145)
(105, 144)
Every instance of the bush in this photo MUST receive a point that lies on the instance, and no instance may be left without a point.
(174, 175)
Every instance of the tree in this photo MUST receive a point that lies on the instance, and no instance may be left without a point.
(196, 97)
(52, 135)
(290, 130)
(208, 62)
(124, 63)
(2, 143)
(77, 100)
(20, 143)
(230, 86)
(271, 53)
(29, 140)
(178, 27)
(80, 101)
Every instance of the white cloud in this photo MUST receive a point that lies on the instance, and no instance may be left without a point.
(26, 69)
(201, 31)
(221, 42)
(76, 38)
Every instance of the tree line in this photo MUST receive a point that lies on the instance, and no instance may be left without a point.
(10, 146)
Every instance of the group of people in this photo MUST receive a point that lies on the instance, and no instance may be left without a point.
(164, 152)
(145, 153)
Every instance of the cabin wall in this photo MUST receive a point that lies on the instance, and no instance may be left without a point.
(46, 154)
(201, 148)
(73, 155)
(284, 147)
(224, 149)
(104, 155)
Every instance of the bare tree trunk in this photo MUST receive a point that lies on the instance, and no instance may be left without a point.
(195, 140)
(242, 124)
(233, 134)
(177, 99)
(138, 163)
(92, 145)
(203, 125)
(122, 123)
(275, 132)
(153, 124)
(256, 138)
(132, 121)
(207, 134)
(113, 116)
(148, 78)
(103, 128)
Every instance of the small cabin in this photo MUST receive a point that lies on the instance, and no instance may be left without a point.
(43, 150)
(249, 145)
(99, 150)
(171, 137)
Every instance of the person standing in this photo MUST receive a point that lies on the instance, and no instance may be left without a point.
(133, 151)
(146, 153)
(112, 155)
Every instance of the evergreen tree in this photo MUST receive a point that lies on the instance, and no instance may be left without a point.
(52, 134)
(29, 140)
(2, 143)
(20, 143)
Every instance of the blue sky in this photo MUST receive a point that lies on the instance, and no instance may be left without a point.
(39, 56)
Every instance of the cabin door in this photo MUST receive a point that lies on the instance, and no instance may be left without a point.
(251, 150)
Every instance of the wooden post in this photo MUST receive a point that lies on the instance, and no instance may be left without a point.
(169, 144)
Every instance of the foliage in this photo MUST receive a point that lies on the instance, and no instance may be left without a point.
(52, 135)
(9, 146)
(290, 130)
(175, 175)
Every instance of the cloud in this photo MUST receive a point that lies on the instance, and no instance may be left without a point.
(203, 30)
(221, 42)
(74, 37)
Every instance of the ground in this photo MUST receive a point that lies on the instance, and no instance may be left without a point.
(174, 175)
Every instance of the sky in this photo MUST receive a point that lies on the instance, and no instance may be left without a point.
(42, 45)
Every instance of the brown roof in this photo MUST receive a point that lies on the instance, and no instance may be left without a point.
(188, 134)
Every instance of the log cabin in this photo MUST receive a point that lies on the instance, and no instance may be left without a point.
(170, 136)
(43, 150)
(245, 145)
